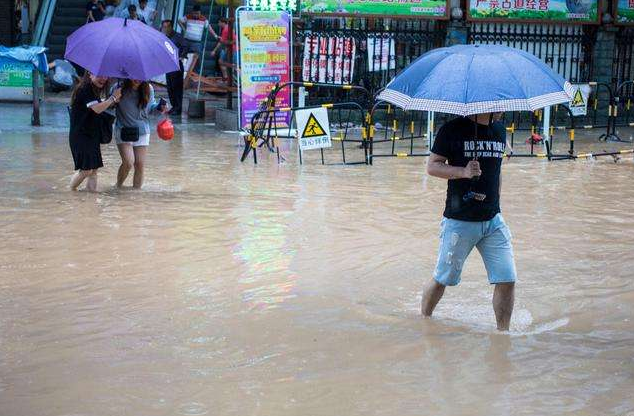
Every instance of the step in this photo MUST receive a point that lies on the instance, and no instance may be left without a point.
(69, 20)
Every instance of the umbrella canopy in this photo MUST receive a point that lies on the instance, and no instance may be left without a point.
(476, 79)
(122, 48)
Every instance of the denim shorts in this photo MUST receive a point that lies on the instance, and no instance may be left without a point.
(492, 239)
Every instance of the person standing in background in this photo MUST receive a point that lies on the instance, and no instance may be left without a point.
(111, 7)
(226, 43)
(175, 79)
(146, 13)
(194, 24)
(133, 15)
(95, 11)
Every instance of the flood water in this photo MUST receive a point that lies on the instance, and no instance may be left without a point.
(225, 288)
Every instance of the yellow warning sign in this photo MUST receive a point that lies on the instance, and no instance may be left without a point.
(313, 128)
(578, 98)
(579, 104)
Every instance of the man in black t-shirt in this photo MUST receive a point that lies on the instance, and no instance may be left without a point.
(468, 153)
(175, 79)
(95, 11)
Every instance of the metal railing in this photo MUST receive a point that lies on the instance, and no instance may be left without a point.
(567, 49)
(43, 24)
(383, 47)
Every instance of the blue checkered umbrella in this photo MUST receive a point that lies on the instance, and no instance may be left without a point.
(476, 79)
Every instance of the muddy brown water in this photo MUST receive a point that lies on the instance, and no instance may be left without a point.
(223, 288)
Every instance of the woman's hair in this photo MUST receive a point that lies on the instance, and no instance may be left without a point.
(144, 91)
(85, 80)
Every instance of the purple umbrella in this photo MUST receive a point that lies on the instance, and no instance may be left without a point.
(122, 48)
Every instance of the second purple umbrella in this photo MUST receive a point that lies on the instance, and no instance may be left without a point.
(122, 48)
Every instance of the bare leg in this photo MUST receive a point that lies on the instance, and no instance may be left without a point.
(431, 296)
(503, 300)
(139, 165)
(91, 185)
(78, 178)
(223, 69)
(127, 161)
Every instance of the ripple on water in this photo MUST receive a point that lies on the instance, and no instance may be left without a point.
(192, 409)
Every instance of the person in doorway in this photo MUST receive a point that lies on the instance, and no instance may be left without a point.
(87, 103)
(95, 11)
(175, 79)
(132, 128)
(472, 211)
(194, 24)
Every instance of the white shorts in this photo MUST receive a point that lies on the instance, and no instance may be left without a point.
(144, 139)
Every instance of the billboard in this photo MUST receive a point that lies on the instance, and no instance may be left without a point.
(624, 11)
(582, 11)
(437, 9)
(264, 38)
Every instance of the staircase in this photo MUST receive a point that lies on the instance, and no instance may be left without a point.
(69, 15)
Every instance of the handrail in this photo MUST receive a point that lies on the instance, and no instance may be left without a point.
(179, 11)
(43, 24)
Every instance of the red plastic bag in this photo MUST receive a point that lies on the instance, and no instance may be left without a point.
(165, 129)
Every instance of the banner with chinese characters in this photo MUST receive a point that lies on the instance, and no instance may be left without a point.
(328, 59)
(381, 53)
(273, 5)
(625, 12)
(584, 11)
(264, 62)
(423, 8)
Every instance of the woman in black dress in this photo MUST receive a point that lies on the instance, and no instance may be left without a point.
(85, 127)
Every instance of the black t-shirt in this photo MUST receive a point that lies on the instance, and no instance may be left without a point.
(84, 123)
(472, 199)
(96, 11)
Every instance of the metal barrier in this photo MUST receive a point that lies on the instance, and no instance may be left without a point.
(264, 126)
(623, 113)
(392, 125)
(350, 117)
(266, 133)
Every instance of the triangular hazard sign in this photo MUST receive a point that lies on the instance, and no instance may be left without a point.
(578, 99)
(313, 128)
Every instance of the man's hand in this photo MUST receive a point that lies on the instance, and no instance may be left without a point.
(472, 169)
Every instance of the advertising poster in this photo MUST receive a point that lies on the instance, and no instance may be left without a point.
(328, 59)
(625, 11)
(422, 8)
(584, 11)
(16, 80)
(264, 38)
(381, 54)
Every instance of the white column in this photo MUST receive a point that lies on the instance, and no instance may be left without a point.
(546, 127)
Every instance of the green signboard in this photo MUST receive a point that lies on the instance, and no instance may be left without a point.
(625, 11)
(583, 11)
(15, 74)
(422, 8)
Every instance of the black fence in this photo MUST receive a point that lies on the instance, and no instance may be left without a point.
(623, 76)
(567, 49)
(382, 48)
